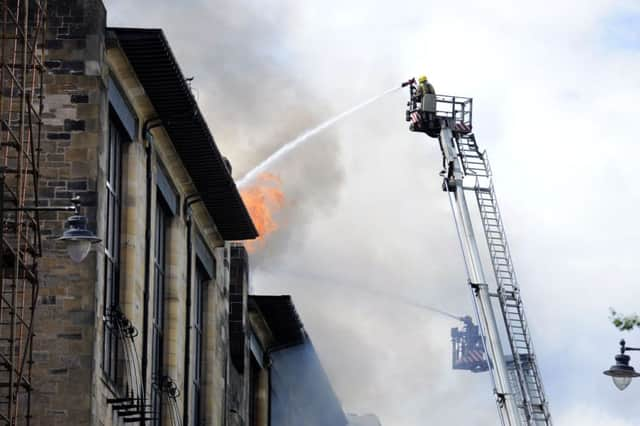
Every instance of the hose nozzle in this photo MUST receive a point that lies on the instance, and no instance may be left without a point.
(408, 82)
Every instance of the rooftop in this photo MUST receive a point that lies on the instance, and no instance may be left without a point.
(157, 70)
(282, 318)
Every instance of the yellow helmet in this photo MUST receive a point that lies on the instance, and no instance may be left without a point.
(422, 79)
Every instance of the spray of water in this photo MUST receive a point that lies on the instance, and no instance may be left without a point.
(284, 149)
(359, 288)
(432, 309)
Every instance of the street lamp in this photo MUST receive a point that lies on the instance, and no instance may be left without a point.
(78, 238)
(76, 235)
(622, 372)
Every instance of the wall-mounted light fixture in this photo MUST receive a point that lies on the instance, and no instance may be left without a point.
(76, 236)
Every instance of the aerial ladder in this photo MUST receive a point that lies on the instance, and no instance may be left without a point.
(514, 370)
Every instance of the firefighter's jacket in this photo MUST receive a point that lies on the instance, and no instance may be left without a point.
(428, 94)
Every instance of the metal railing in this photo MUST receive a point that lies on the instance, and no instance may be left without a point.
(458, 108)
(130, 403)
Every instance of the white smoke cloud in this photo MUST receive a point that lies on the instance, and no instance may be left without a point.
(555, 86)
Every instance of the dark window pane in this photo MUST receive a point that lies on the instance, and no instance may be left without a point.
(111, 249)
(198, 317)
(158, 315)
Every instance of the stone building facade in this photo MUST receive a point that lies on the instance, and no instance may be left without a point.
(138, 332)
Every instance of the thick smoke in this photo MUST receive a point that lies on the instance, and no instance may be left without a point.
(256, 102)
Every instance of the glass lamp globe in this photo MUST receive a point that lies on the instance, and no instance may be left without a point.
(78, 249)
(621, 382)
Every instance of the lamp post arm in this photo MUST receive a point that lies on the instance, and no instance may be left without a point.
(74, 207)
(43, 209)
(624, 347)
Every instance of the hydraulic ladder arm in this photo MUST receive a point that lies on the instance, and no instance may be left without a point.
(517, 383)
(453, 184)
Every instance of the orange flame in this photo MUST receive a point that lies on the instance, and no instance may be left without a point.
(263, 199)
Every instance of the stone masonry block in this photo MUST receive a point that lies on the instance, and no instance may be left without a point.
(74, 125)
(76, 154)
(53, 44)
(80, 185)
(59, 136)
(79, 99)
(79, 169)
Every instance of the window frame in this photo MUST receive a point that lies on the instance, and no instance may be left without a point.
(111, 347)
(197, 383)
(254, 382)
(161, 229)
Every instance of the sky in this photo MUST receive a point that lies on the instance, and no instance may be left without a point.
(365, 225)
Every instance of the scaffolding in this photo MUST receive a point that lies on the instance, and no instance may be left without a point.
(22, 37)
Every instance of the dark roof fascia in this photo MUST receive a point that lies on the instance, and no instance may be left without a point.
(282, 318)
(157, 70)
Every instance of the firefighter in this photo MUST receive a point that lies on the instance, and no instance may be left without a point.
(427, 96)
(422, 105)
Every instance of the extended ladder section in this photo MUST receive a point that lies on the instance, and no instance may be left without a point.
(525, 377)
(516, 380)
